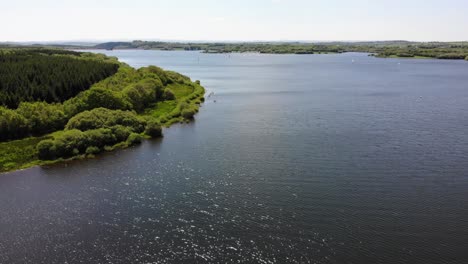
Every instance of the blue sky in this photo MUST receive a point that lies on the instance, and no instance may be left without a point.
(248, 20)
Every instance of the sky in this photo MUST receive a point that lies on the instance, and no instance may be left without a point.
(235, 20)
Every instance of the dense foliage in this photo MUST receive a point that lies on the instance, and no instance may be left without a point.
(31, 119)
(93, 131)
(153, 129)
(113, 113)
(439, 50)
(47, 75)
(75, 142)
(105, 118)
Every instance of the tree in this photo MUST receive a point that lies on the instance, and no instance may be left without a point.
(12, 124)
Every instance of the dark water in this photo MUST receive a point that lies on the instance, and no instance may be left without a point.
(301, 159)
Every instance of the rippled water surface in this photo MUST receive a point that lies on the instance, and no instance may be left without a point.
(295, 159)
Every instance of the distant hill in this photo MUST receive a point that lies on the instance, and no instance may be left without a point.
(114, 45)
(395, 48)
(391, 48)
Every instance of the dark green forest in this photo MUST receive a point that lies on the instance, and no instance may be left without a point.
(28, 75)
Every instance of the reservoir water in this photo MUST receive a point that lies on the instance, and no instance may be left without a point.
(295, 159)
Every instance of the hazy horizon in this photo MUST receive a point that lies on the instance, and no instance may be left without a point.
(240, 21)
(98, 41)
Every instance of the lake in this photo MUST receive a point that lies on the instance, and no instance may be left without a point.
(340, 158)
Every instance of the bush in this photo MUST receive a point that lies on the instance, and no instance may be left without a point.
(142, 94)
(175, 77)
(94, 98)
(100, 137)
(169, 94)
(188, 113)
(74, 142)
(134, 139)
(42, 117)
(163, 119)
(153, 129)
(156, 71)
(92, 150)
(70, 143)
(121, 133)
(105, 118)
(12, 124)
(46, 149)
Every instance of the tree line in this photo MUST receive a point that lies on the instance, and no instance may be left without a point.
(438, 50)
(47, 75)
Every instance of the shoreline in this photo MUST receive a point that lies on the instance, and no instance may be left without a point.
(373, 54)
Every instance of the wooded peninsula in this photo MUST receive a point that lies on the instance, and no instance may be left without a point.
(58, 104)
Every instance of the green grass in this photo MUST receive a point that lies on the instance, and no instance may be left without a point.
(18, 154)
(180, 90)
(160, 109)
(187, 95)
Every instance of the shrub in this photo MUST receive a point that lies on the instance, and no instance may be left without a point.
(100, 137)
(174, 77)
(142, 94)
(183, 105)
(121, 133)
(105, 118)
(94, 98)
(134, 139)
(66, 143)
(188, 113)
(46, 149)
(12, 124)
(42, 117)
(163, 119)
(156, 71)
(73, 142)
(75, 152)
(92, 150)
(108, 148)
(168, 94)
(153, 129)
